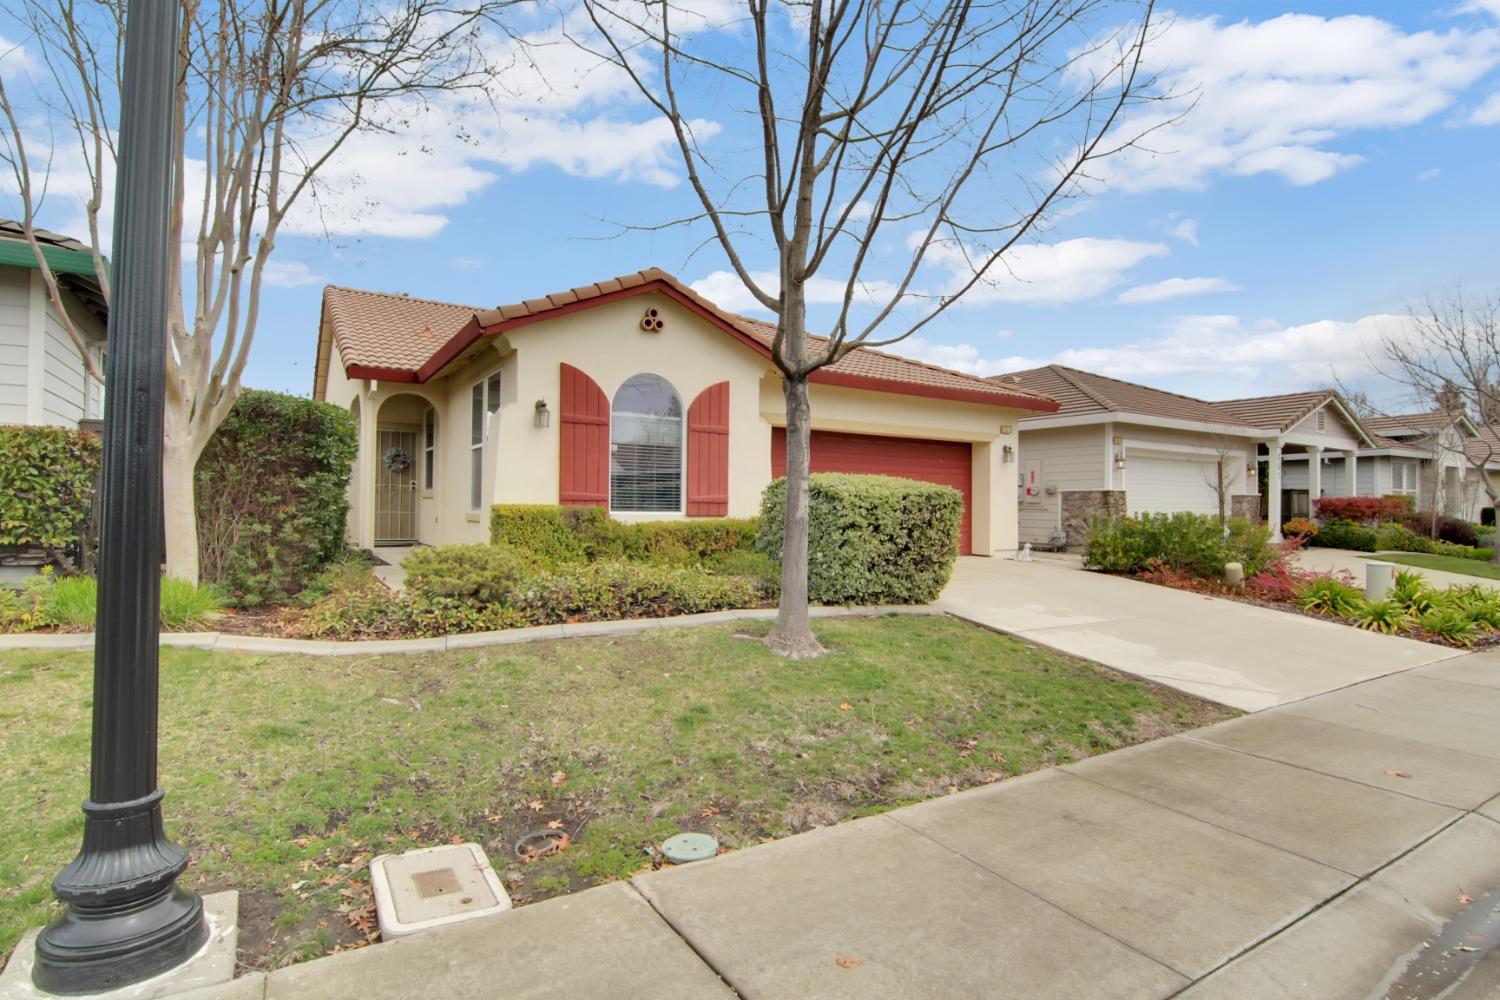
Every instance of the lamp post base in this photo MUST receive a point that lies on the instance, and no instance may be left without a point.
(94, 950)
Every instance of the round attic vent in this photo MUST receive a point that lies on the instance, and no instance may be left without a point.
(652, 321)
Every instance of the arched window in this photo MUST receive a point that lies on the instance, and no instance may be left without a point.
(645, 446)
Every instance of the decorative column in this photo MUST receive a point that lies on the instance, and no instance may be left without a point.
(1351, 471)
(1314, 477)
(1273, 490)
(125, 918)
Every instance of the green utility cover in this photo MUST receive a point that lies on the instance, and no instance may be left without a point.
(687, 847)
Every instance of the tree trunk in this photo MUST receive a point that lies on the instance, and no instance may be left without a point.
(792, 635)
(179, 460)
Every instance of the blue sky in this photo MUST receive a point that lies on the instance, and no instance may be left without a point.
(1339, 164)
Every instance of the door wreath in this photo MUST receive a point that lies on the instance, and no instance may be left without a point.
(396, 459)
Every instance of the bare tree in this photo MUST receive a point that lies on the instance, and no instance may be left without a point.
(269, 91)
(941, 134)
(1229, 456)
(1449, 359)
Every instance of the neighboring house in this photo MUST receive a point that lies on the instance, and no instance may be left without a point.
(42, 376)
(1317, 448)
(636, 395)
(1432, 457)
(1115, 447)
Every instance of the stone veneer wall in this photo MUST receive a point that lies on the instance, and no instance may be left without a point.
(1247, 506)
(1081, 506)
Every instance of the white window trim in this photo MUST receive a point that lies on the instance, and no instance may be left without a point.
(682, 480)
(483, 444)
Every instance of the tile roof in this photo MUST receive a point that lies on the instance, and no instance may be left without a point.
(397, 332)
(1080, 392)
(419, 336)
(1410, 423)
(1278, 412)
(1484, 446)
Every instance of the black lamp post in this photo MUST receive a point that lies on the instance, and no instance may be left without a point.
(126, 919)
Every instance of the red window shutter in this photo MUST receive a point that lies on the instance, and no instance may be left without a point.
(583, 474)
(708, 453)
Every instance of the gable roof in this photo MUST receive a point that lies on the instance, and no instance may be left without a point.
(1285, 411)
(399, 338)
(1417, 423)
(1080, 393)
(71, 261)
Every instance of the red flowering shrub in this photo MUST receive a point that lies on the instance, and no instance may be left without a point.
(1362, 510)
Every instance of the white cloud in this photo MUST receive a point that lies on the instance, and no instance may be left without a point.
(1430, 174)
(1208, 356)
(1175, 288)
(1487, 113)
(1067, 271)
(1271, 96)
(726, 290)
(1186, 231)
(289, 274)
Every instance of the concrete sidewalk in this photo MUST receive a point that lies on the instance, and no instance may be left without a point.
(1305, 851)
(1353, 563)
(1234, 653)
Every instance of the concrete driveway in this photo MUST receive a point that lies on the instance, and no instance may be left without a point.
(1236, 654)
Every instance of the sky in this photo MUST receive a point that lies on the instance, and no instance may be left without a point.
(1339, 162)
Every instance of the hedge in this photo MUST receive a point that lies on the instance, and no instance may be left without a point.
(1345, 535)
(558, 536)
(47, 477)
(871, 539)
(1363, 510)
(487, 574)
(272, 495)
(609, 591)
(1192, 543)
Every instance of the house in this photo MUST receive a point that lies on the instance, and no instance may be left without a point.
(1317, 448)
(43, 379)
(1435, 457)
(1115, 447)
(634, 394)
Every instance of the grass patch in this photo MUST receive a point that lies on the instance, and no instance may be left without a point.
(285, 774)
(1446, 564)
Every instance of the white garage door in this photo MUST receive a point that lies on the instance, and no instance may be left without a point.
(1155, 484)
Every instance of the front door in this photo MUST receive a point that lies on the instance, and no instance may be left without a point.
(396, 488)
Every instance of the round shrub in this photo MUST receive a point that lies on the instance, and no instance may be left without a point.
(1345, 535)
(1300, 527)
(871, 539)
(484, 573)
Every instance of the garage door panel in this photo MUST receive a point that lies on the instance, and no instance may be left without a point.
(947, 462)
(1160, 485)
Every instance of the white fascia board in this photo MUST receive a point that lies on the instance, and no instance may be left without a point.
(1170, 423)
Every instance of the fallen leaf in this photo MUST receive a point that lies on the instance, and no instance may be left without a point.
(456, 839)
(555, 824)
(848, 961)
(536, 805)
(1464, 899)
(708, 811)
(558, 777)
(494, 817)
(1395, 773)
(844, 706)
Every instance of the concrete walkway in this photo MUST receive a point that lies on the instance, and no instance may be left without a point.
(1353, 563)
(1227, 651)
(1305, 851)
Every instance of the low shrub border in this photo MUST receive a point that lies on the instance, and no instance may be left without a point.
(47, 477)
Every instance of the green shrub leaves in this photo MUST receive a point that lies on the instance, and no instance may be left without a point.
(46, 486)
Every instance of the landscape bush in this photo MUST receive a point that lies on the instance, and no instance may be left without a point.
(1195, 543)
(561, 535)
(1300, 527)
(71, 603)
(1394, 537)
(1330, 596)
(367, 610)
(47, 477)
(607, 591)
(487, 574)
(1448, 529)
(1345, 535)
(1361, 510)
(871, 539)
(272, 495)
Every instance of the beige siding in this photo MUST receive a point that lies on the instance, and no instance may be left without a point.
(1068, 458)
(14, 317)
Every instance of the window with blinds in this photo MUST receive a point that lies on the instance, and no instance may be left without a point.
(645, 460)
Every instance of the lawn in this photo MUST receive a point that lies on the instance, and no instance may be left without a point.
(286, 774)
(1446, 564)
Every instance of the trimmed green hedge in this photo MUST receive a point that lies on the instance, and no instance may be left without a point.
(559, 536)
(47, 479)
(272, 495)
(612, 590)
(1193, 543)
(1346, 535)
(871, 539)
(484, 573)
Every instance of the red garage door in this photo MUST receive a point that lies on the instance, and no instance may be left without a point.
(945, 462)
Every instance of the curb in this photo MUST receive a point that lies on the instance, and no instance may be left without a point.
(226, 642)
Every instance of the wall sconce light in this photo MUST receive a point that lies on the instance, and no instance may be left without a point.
(543, 416)
(1007, 454)
(1250, 469)
(1119, 458)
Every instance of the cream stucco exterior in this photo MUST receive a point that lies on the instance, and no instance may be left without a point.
(606, 342)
